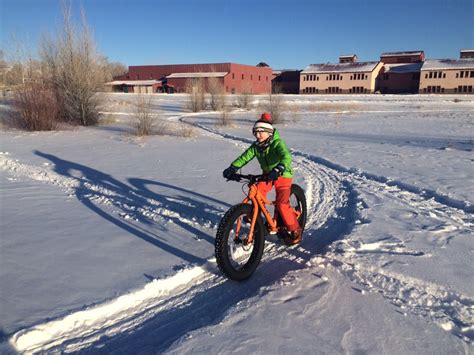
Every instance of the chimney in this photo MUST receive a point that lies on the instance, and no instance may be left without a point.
(352, 58)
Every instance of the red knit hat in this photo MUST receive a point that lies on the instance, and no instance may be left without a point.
(266, 117)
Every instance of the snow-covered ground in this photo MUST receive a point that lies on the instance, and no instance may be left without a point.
(107, 240)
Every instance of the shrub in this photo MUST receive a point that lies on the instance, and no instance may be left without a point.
(143, 120)
(36, 108)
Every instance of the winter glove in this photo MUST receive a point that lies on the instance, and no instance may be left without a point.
(227, 173)
(276, 172)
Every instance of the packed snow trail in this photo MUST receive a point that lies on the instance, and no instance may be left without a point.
(334, 208)
(81, 329)
(450, 310)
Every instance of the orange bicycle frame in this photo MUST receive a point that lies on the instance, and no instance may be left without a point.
(259, 203)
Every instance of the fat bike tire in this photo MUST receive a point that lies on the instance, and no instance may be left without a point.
(225, 242)
(298, 202)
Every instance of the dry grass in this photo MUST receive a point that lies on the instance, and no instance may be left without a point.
(335, 107)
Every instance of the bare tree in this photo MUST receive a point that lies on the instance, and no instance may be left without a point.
(75, 70)
(197, 98)
(143, 119)
(225, 118)
(276, 105)
(217, 94)
(245, 98)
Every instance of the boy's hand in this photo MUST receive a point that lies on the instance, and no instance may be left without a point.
(276, 172)
(227, 173)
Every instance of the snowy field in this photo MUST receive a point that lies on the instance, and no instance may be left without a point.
(107, 239)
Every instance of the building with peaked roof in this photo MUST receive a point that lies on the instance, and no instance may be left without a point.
(447, 76)
(400, 73)
(348, 77)
(234, 78)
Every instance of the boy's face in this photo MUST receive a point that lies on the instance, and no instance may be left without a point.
(261, 135)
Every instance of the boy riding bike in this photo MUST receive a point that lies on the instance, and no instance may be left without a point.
(275, 161)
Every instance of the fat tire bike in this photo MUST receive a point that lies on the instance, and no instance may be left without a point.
(240, 237)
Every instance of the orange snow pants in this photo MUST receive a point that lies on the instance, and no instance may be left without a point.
(282, 203)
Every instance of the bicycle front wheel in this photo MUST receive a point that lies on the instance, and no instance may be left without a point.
(236, 258)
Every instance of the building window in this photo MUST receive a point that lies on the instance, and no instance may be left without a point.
(232, 91)
(251, 77)
(233, 75)
(259, 78)
(242, 76)
(462, 74)
(267, 78)
(431, 75)
(444, 75)
(472, 74)
(426, 76)
(317, 78)
(457, 75)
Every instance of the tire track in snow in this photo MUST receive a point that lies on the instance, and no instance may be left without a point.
(448, 309)
(80, 330)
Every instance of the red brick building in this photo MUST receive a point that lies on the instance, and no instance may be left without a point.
(235, 78)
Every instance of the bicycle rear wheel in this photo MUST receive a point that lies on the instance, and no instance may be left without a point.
(236, 259)
(298, 203)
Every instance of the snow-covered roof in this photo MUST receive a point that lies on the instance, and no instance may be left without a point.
(133, 82)
(347, 56)
(197, 75)
(467, 50)
(399, 54)
(340, 67)
(403, 68)
(280, 71)
(438, 64)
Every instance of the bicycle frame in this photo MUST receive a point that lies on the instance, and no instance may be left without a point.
(259, 203)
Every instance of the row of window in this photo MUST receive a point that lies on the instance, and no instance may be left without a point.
(331, 77)
(435, 75)
(465, 74)
(433, 89)
(358, 90)
(310, 91)
(335, 90)
(439, 89)
(251, 77)
(441, 75)
(464, 88)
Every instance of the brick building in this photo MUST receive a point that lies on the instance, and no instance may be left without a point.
(234, 78)
(447, 76)
(400, 73)
(286, 81)
(346, 77)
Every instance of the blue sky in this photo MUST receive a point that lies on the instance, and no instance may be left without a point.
(284, 34)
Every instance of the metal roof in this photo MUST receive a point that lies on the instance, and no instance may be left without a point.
(134, 82)
(399, 54)
(340, 67)
(197, 75)
(438, 64)
(403, 68)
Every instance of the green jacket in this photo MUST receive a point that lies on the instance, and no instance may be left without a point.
(276, 153)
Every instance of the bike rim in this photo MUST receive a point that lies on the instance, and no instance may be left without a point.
(239, 254)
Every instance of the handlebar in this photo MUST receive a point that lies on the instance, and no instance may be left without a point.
(249, 177)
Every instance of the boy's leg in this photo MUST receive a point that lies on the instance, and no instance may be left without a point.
(283, 192)
(264, 187)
